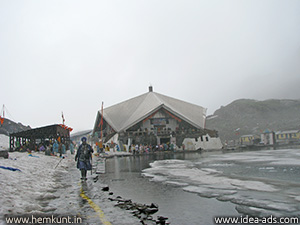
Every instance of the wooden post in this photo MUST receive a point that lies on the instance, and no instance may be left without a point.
(11, 143)
(23, 141)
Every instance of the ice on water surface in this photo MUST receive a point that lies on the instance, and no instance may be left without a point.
(259, 182)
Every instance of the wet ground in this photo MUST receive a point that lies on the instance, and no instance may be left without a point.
(124, 176)
(189, 188)
(194, 188)
(86, 200)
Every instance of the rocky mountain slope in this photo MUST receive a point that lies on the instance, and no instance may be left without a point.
(246, 116)
(9, 126)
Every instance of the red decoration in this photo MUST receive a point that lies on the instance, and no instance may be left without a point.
(149, 117)
(174, 117)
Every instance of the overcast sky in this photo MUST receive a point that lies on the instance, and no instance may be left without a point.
(71, 55)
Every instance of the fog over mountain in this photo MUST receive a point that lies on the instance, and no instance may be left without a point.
(247, 116)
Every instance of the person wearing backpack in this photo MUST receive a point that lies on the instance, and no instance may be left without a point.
(83, 158)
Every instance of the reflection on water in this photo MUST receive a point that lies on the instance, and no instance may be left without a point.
(123, 175)
(138, 163)
(193, 188)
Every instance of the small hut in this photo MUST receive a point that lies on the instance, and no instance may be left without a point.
(38, 135)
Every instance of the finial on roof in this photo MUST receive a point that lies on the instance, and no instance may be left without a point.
(150, 88)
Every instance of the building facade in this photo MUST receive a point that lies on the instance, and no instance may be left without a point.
(154, 119)
(288, 137)
(268, 138)
(247, 139)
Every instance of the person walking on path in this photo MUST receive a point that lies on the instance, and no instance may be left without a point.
(83, 158)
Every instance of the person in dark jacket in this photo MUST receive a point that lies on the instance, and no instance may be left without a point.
(83, 158)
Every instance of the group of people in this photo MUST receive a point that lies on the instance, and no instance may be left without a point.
(139, 149)
(56, 147)
(136, 148)
(59, 148)
(102, 148)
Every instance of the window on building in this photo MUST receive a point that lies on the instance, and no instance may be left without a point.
(206, 138)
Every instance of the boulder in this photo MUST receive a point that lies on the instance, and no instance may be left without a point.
(4, 154)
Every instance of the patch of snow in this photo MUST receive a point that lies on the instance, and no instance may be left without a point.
(260, 195)
(38, 189)
(4, 142)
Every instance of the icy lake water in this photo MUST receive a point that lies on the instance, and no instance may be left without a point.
(193, 188)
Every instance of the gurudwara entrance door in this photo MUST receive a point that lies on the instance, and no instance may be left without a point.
(164, 140)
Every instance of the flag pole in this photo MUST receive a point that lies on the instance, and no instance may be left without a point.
(63, 118)
(101, 124)
(204, 117)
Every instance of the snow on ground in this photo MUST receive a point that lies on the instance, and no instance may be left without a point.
(48, 185)
(4, 141)
(210, 177)
(22, 189)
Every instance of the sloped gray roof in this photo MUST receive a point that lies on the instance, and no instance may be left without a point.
(80, 133)
(126, 114)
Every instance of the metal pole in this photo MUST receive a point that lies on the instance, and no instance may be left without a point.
(91, 164)
(58, 162)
